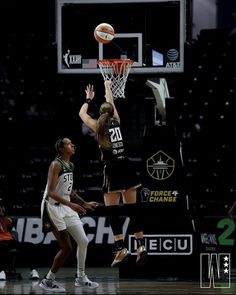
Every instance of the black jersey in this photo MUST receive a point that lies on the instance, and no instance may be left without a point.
(117, 150)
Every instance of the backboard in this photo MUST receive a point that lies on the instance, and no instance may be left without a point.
(150, 32)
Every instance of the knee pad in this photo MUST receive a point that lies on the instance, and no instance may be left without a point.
(136, 222)
(114, 216)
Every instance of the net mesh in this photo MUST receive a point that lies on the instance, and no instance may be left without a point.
(117, 71)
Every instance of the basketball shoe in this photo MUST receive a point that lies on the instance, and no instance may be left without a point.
(51, 285)
(121, 256)
(3, 276)
(142, 255)
(34, 275)
(85, 282)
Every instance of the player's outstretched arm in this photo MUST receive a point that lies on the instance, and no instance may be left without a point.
(109, 98)
(88, 205)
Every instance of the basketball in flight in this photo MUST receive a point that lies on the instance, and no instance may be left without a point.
(104, 33)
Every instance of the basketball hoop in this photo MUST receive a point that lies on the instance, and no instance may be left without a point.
(117, 71)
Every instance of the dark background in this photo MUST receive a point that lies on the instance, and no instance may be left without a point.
(37, 106)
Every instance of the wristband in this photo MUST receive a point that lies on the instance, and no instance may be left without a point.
(87, 100)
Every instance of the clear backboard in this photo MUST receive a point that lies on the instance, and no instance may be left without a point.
(149, 32)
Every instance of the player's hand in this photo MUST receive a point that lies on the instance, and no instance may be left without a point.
(89, 91)
(91, 205)
(77, 208)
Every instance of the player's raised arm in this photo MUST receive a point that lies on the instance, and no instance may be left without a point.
(109, 98)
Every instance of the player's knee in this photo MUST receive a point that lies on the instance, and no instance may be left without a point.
(84, 242)
(67, 250)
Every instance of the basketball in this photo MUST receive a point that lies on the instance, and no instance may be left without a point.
(104, 33)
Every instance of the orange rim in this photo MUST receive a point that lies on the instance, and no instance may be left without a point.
(112, 61)
(119, 66)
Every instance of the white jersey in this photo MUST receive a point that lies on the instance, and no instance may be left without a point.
(65, 182)
(54, 214)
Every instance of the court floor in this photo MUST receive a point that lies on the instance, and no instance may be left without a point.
(110, 283)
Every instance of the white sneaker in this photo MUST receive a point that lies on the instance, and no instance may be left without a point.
(85, 282)
(3, 276)
(51, 285)
(34, 275)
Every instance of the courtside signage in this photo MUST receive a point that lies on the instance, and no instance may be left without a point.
(215, 270)
(165, 244)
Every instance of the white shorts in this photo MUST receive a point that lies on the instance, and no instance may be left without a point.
(59, 216)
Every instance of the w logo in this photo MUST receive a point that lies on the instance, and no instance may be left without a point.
(215, 270)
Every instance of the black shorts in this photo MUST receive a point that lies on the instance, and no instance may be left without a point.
(120, 176)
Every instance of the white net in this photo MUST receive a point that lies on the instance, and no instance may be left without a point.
(117, 71)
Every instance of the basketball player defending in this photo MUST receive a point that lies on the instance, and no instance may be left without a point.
(61, 216)
(119, 176)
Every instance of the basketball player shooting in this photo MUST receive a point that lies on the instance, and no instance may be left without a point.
(120, 178)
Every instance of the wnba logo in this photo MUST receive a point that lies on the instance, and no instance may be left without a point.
(215, 270)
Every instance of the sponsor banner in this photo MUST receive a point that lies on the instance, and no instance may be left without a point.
(165, 244)
(173, 65)
(162, 169)
(101, 240)
(216, 232)
(98, 231)
(158, 196)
